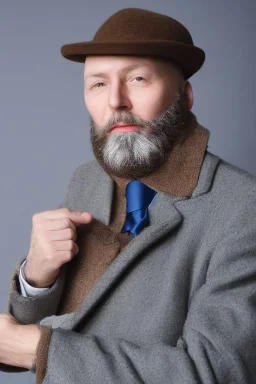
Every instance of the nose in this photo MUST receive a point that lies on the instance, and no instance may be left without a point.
(118, 97)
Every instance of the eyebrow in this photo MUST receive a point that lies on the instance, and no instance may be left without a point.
(126, 70)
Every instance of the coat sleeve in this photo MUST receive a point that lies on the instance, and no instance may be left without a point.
(31, 310)
(217, 345)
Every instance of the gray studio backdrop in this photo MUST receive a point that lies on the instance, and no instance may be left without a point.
(44, 124)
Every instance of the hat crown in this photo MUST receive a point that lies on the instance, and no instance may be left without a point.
(133, 24)
(139, 32)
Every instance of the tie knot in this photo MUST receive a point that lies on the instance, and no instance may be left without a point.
(138, 195)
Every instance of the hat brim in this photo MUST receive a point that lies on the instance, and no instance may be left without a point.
(189, 57)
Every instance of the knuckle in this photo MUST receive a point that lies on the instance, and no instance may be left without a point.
(35, 218)
(69, 255)
(75, 247)
(67, 222)
(70, 245)
(70, 233)
(66, 210)
(38, 221)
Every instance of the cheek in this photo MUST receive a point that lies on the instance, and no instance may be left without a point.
(153, 100)
(149, 107)
(95, 108)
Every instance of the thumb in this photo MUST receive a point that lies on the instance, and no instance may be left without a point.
(80, 217)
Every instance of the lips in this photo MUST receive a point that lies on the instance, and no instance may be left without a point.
(124, 127)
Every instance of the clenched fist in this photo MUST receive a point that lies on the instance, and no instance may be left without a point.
(52, 244)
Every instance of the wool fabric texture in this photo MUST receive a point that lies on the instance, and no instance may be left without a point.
(177, 304)
(95, 239)
(107, 241)
(139, 32)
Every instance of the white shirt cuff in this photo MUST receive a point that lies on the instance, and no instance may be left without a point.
(26, 289)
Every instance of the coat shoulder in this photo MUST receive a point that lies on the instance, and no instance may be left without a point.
(86, 169)
(83, 180)
(232, 191)
(234, 179)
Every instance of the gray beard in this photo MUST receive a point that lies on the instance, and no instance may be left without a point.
(138, 154)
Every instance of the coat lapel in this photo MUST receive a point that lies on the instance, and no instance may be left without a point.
(98, 199)
(164, 218)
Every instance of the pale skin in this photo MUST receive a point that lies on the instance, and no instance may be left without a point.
(52, 245)
(139, 85)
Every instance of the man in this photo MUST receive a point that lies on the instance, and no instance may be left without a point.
(147, 272)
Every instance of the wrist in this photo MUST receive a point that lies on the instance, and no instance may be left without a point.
(34, 282)
(28, 337)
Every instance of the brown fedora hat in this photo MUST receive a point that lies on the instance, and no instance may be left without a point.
(138, 32)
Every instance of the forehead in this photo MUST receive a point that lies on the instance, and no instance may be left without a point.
(107, 64)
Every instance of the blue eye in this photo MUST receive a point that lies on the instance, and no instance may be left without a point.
(139, 77)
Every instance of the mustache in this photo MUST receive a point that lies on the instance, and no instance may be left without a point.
(174, 115)
(124, 117)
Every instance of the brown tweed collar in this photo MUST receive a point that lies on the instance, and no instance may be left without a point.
(179, 175)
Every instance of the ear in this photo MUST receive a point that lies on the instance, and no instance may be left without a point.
(188, 95)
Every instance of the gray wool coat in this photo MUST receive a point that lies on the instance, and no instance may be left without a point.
(178, 304)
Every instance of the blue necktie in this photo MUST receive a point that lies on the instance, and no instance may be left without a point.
(138, 198)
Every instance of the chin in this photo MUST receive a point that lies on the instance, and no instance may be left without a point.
(133, 171)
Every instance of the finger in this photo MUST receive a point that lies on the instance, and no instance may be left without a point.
(63, 234)
(59, 224)
(76, 216)
(64, 256)
(65, 245)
